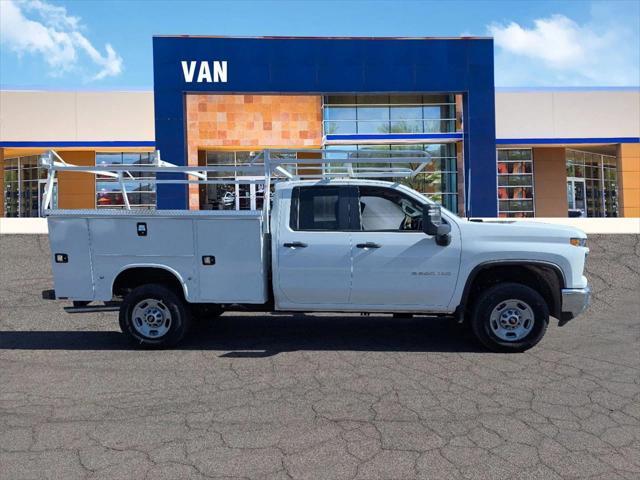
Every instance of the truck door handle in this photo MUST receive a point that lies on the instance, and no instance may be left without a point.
(368, 245)
(295, 245)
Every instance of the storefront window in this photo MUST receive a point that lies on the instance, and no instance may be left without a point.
(24, 183)
(515, 183)
(141, 192)
(592, 184)
(376, 114)
(437, 181)
(232, 196)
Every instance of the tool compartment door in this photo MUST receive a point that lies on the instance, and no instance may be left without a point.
(74, 278)
(231, 259)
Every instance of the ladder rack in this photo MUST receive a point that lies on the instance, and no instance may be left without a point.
(267, 166)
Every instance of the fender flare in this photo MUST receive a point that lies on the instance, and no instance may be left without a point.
(459, 312)
(131, 266)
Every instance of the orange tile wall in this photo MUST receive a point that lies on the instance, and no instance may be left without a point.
(629, 179)
(76, 189)
(246, 122)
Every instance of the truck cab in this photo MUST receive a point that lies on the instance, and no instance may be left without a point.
(360, 246)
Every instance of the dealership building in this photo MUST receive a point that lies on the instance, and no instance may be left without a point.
(219, 100)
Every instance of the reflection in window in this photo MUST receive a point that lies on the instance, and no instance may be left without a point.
(141, 192)
(515, 183)
(437, 181)
(600, 177)
(23, 186)
(231, 196)
(384, 114)
(314, 208)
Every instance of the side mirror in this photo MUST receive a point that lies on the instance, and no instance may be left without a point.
(433, 225)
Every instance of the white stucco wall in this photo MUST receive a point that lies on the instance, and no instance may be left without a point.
(76, 116)
(121, 116)
(568, 114)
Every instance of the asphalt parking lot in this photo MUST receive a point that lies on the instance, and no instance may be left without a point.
(317, 397)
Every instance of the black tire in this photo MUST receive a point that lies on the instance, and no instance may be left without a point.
(169, 303)
(481, 324)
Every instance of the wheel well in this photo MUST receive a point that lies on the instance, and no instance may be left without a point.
(134, 277)
(545, 279)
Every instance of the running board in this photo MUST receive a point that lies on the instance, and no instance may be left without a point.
(92, 309)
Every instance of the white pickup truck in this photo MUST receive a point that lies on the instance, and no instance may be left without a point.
(339, 245)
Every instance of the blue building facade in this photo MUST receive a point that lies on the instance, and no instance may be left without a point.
(365, 69)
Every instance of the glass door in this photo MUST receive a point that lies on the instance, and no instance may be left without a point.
(249, 196)
(576, 198)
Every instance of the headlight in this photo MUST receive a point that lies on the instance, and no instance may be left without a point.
(578, 242)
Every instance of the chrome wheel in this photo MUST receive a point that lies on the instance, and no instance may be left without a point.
(511, 320)
(151, 318)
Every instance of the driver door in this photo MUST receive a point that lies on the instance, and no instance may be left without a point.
(396, 266)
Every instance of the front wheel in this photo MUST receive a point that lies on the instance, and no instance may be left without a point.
(509, 317)
(154, 316)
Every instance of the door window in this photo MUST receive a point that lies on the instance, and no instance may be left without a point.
(387, 210)
(319, 208)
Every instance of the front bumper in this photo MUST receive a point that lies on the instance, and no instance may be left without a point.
(575, 301)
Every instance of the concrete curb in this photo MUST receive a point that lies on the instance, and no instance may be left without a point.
(23, 226)
(590, 225)
(38, 226)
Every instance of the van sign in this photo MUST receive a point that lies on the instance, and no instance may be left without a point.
(207, 72)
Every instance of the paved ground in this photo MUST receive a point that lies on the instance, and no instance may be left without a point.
(317, 397)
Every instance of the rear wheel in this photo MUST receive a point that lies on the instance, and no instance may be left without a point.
(154, 316)
(509, 317)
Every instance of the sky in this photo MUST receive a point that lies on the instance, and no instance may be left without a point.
(106, 45)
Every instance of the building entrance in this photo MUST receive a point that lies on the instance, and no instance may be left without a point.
(249, 196)
(592, 184)
(576, 188)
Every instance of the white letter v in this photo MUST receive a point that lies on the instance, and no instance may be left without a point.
(189, 71)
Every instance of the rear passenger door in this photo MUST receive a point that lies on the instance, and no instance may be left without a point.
(313, 248)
